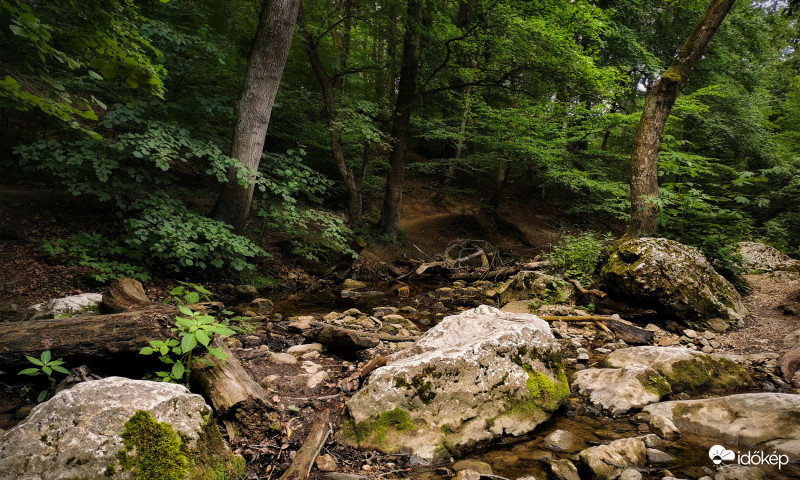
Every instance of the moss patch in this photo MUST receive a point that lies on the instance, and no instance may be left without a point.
(375, 432)
(544, 394)
(658, 385)
(707, 373)
(152, 449)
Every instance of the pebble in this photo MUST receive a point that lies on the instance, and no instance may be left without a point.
(317, 379)
(381, 311)
(630, 474)
(657, 457)
(408, 309)
(353, 311)
(310, 355)
(305, 348)
(326, 463)
(709, 334)
(310, 367)
(282, 359)
(690, 333)
(708, 349)
(583, 357)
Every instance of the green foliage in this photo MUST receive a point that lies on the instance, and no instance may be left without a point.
(45, 365)
(152, 449)
(105, 259)
(292, 194)
(577, 255)
(193, 329)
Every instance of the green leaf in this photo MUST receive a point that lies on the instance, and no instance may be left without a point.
(217, 352)
(202, 337)
(47, 370)
(185, 311)
(61, 369)
(192, 297)
(146, 351)
(42, 396)
(46, 357)
(188, 343)
(34, 361)
(30, 371)
(177, 370)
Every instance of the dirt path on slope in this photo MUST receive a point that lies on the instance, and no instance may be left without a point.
(766, 328)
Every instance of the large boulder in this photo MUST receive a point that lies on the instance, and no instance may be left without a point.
(766, 421)
(472, 378)
(618, 390)
(672, 278)
(66, 307)
(79, 434)
(761, 257)
(683, 369)
(640, 376)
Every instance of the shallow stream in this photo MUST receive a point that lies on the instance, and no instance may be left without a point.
(521, 457)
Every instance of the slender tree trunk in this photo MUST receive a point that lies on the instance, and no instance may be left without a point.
(450, 175)
(353, 190)
(264, 69)
(644, 157)
(406, 94)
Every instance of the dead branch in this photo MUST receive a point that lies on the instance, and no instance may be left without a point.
(301, 465)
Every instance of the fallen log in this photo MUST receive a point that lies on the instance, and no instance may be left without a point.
(624, 330)
(92, 339)
(87, 339)
(585, 292)
(379, 336)
(233, 393)
(301, 465)
(498, 274)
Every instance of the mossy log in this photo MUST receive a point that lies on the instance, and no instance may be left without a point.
(88, 339)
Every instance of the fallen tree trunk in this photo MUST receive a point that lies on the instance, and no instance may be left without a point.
(301, 465)
(624, 330)
(233, 393)
(89, 339)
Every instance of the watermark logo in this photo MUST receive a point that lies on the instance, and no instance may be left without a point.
(719, 455)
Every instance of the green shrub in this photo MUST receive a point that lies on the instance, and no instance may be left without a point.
(577, 256)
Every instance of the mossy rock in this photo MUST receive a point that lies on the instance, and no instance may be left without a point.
(675, 279)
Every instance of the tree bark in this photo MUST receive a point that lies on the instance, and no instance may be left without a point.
(659, 102)
(93, 339)
(354, 194)
(264, 69)
(406, 95)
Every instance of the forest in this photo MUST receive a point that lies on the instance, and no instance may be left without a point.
(135, 106)
(384, 238)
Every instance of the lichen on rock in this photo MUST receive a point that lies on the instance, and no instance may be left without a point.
(674, 279)
(474, 377)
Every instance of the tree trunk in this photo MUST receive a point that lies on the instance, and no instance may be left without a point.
(264, 69)
(354, 194)
(390, 214)
(644, 157)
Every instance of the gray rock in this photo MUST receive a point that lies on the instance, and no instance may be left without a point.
(618, 390)
(317, 379)
(761, 257)
(768, 421)
(246, 291)
(283, 359)
(607, 462)
(675, 278)
(664, 427)
(656, 457)
(305, 348)
(76, 434)
(326, 463)
(685, 370)
(464, 383)
(340, 339)
(564, 470)
(630, 474)
(72, 306)
(381, 311)
(468, 475)
(301, 324)
(563, 441)
(350, 284)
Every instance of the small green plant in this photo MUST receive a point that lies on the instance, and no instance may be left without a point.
(188, 294)
(45, 365)
(554, 294)
(193, 329)
(576, 256)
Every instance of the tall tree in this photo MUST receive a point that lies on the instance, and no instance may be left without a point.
(264, 70)
(659, 102)
(401, 121)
